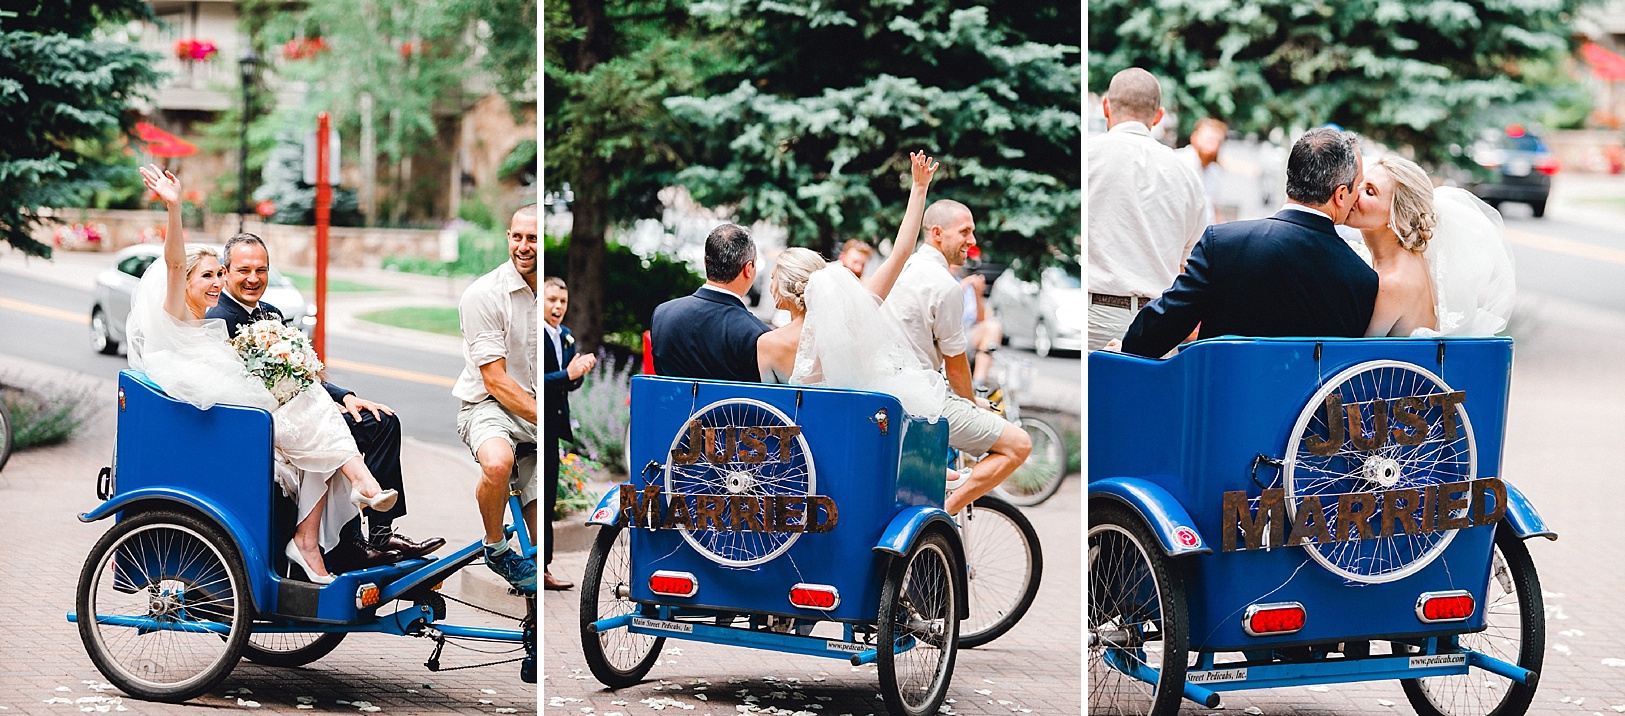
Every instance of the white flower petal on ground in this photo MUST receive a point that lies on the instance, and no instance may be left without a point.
(307, 707)
(1561, 648)
(486, 701)
(488, 691)
(1255, 711)
(1319, 689)
(1565, 699)
(361, 704)
(1571, 633)
(1384, 702)
(984, 692)
(371, 709)
(309, 699)
(1613, 662)
(63, 688)
(1620, 708)
(248, 704)
(1551, 595)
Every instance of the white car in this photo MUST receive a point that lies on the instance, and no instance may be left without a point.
(1044, 311)
(110, 306)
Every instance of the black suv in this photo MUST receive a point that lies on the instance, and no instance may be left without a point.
(1514, 166)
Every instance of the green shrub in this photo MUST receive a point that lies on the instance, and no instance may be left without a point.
(633, 285)
(48, 414)
(576, 474)
(601, 410)
(478, 251)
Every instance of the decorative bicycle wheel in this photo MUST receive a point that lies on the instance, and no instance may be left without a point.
(737, 448)
(1379, 427)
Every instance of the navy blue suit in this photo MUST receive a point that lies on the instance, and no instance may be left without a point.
(556, 387)
(1288, 275)
(378, 438)
(707, 335)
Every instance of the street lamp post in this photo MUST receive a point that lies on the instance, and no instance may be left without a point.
(246, 64)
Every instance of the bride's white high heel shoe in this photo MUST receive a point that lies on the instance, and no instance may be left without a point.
(380, 502)
(298, 558)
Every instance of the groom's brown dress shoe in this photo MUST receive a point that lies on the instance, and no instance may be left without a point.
(557, 585)
(411, 549)
(353, 553)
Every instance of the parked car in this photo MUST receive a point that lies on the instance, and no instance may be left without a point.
(110, 302)
(1514, 165)
(1043, 309)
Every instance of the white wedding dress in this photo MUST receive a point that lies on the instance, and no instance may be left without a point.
(193, 362)
(848, 342)
(1470, 265)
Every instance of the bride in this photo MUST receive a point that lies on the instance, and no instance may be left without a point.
(1441, 258)
(832, 313)
(190, 358)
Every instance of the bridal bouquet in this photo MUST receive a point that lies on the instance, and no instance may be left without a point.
(279, 356)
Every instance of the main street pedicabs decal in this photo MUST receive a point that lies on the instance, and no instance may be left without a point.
(1364, 530)
(795, 519)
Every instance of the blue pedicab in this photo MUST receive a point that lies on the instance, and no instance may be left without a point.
(189, 578)
(758, 512)
(1272, 512)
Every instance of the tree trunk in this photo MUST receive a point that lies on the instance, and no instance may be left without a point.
(590, 212)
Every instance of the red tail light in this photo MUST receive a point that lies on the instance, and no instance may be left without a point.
(815, 596)
(1547, 166)
(674, 584)
(1515, 131)
(1452, 606)
(1273, 619)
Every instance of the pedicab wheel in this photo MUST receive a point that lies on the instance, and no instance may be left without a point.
(618, 657)
(918, 608)
(1137, 618)
(771, 460)
(287, 649)
(7, 436)
(1514, 632)
(1417, 439)
(1040, 476)
(156, 595)
(1003, 565)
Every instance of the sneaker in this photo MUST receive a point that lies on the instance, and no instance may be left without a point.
(519, 572)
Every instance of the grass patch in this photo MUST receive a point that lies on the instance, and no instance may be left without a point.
(307, 285)
(417, 318)
(47, 415)
(1612, 202)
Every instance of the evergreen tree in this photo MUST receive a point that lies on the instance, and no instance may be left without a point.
(64, 91)
(813, 127)
(1413, 74)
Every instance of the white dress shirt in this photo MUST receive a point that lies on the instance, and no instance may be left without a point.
(498, 317)
(930, 304)
(1147, 209)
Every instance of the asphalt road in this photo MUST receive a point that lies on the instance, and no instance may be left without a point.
(46, 322)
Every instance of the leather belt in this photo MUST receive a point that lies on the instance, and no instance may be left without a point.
(1106, 299)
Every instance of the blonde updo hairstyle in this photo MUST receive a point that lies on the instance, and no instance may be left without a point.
(792, 271)
(1410, 206)
(194, 256)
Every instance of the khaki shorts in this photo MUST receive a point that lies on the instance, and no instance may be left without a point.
(488, 420)
(970, 428)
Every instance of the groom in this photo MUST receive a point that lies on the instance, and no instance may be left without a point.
(711, 334)
(1288, 275)
(376, 430)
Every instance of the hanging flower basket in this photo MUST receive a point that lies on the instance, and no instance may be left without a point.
(195, 50)
(301, 48)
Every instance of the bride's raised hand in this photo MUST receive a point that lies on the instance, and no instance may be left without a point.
(163, 183)
(922, 167)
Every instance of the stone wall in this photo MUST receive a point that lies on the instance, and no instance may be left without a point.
(295, 246)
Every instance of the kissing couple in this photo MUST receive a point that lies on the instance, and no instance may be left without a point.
(1439, 264)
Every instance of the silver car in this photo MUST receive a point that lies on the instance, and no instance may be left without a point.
(110, 306)
(1044, 311)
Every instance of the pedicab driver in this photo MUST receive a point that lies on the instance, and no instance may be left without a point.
(498, 389)
(929, 302)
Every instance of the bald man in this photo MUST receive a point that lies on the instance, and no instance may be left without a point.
(1147, 208)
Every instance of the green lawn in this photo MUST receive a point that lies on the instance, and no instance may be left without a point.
(1616, 202)
(417, 318)
(307, 285)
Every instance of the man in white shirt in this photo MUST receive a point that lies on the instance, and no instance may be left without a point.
(498, 390)
(1146, 208)
(929, 303)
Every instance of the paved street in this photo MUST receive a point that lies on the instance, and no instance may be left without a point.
(1035, 668)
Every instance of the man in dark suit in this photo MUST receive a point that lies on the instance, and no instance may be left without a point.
(376, 430)
(711, 334)
(563, 372)
(1288, 275)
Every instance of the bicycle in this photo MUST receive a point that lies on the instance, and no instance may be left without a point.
(1039, 477)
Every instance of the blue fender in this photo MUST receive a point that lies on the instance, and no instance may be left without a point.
(1168, 520)
(907, 526)
(254, 558)
(608, 511)
(1522, 517)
